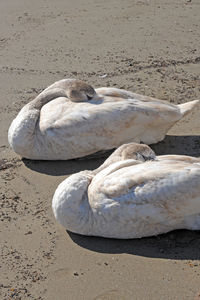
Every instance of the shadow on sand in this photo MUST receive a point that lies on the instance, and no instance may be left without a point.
(63, 167)
(182, 145)
(178, 244)
(185, 145)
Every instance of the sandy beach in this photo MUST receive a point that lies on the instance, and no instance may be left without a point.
(149, 47)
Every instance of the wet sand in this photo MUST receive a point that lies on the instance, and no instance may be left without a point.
(149, 47)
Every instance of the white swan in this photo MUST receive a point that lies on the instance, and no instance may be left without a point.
(70, 119)
(133, 194)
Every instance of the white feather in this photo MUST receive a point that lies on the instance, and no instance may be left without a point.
(53, 127)
(129, 199)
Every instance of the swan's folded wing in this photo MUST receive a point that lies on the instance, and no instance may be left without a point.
(115, 92)
(106, 114)
(159, 190)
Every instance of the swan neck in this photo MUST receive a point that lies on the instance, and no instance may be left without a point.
(46, 96)
(110, 167)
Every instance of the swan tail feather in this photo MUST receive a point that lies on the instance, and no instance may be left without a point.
(187, 107)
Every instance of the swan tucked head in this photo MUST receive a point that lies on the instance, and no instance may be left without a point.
(80, 91)
(135, 151)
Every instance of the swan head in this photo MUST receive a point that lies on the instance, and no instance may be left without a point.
(80, 91)
(136, 151)
(133, 151)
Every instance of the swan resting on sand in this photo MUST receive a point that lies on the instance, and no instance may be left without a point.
(132, 195)
(70, 119)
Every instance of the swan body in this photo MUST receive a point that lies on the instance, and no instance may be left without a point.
(132, 195)
(70, 119)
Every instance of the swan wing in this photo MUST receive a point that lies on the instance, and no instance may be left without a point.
(115, 92)
(149, 198)
(107, 115)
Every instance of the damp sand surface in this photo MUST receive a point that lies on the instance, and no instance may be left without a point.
(149, 47)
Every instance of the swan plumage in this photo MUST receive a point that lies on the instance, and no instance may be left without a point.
(70, 119)
(132, 195)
